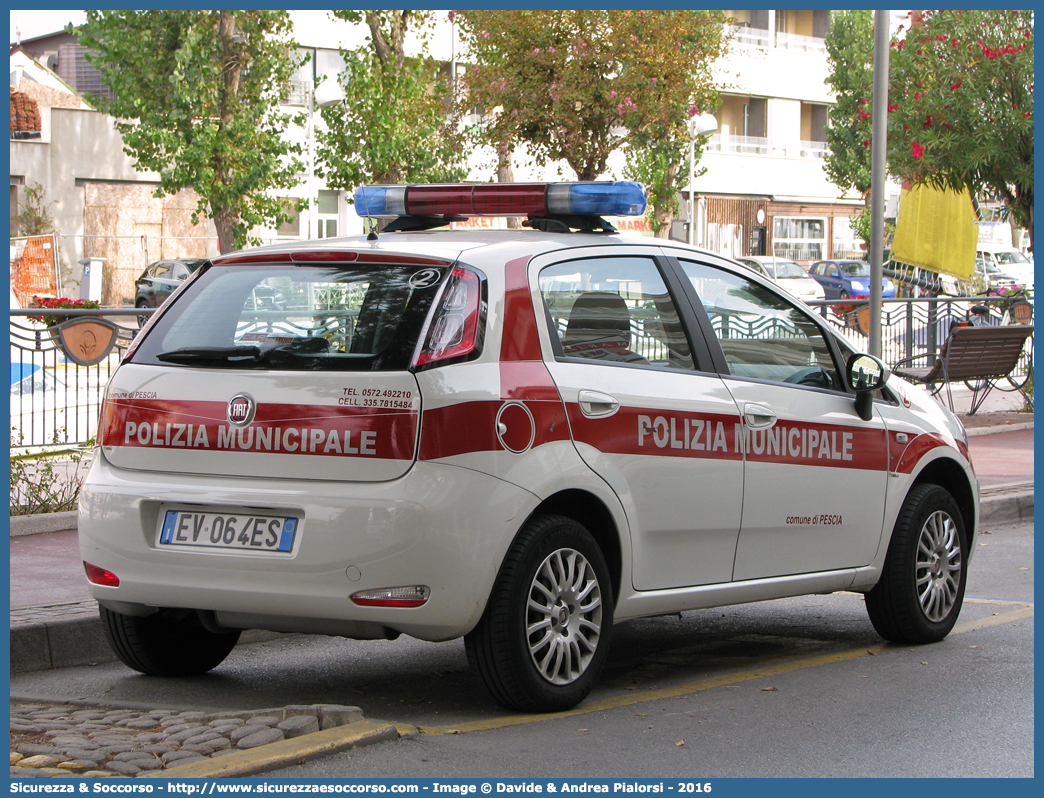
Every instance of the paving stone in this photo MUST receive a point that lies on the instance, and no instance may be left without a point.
(15, 757)
(119, 748)
(141, 723)
(218, 723)
(131, 756)
(264, 720)
(126, 768)
(331, 715)
(97, 754)
(200, 739)
(27, 773)
(178, 757)
(157, 749)
(34, 749)
(146, 739)
(77, 765)
(222, 752)
(260, 738)
(299, 725)
(193, 757)
(245, 731)
(294, 710)
(38, 761)
(25, 728)
(98, 774)
(184, 735)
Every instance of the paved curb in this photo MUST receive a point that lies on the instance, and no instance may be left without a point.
(1006, 504)
(287, 752)
(973, 431)
(44, 522)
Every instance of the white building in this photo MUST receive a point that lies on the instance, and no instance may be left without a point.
(765, 190)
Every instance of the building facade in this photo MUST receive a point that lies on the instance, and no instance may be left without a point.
(765, 190)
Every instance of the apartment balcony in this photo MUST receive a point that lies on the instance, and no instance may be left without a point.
(814, 149)
(759, 37)
(760, 145)
(801, 44)
(753, 37)
(742, 145)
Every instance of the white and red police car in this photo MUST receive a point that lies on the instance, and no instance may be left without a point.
(521, 437)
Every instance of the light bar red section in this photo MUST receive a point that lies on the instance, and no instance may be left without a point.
(484, 199)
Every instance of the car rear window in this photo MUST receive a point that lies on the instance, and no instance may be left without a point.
(295, 318)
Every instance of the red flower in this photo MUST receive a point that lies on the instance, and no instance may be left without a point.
(866, 142)
(928, 122)
(956, 85)
(918, 150)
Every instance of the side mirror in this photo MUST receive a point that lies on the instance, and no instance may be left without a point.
(865, 374)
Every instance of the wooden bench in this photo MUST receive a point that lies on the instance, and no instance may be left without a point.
(980, 356)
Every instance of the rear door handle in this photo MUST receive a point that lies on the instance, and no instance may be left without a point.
(597, 405)
(758, 416)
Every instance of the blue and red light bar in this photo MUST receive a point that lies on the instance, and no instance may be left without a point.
(602, 198)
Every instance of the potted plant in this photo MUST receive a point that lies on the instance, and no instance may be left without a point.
(55, 303)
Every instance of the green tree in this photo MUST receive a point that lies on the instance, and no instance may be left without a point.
(961, 105)
(850, 54)
(34, 215)
(196, 100)
(578, 85)
(661, 164)
(397, 123)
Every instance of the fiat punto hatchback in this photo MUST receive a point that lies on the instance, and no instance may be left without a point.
(520, 437)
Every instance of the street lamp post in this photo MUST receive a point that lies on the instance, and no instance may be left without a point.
(698, 126)
(326, 93)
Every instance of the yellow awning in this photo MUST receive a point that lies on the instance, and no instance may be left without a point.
(936, 231)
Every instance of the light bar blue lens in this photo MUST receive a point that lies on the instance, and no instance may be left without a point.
(380, 201)
(607, 199)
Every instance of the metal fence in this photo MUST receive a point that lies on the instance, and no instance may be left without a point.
(56, 403)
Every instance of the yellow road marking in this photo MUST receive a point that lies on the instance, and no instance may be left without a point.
(716, 681)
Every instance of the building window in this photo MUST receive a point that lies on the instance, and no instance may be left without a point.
(798, 238)
(291, 229)
(327, 213)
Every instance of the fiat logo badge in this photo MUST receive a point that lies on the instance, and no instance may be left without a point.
(241, 409)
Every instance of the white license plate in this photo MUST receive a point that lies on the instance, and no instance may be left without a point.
(234, 531)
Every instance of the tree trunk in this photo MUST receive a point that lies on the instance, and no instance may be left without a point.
(225, 223)
(664, 214)
(505, 174)
(226, 218)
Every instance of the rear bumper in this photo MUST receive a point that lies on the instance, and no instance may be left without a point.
(441, 526)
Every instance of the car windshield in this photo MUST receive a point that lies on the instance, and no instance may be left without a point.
(785, 270)
(854, 268)
(1011, 257)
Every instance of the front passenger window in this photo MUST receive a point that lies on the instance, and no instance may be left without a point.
(763, 335)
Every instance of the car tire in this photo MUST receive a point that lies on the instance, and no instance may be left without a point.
(843, 294)
(166, 643)
(921, 589)
(145, 316)
(544, 635)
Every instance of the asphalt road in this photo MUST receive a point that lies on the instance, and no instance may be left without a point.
(797, 687)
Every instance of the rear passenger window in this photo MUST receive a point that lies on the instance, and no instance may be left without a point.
(614, 310)
(762, 335)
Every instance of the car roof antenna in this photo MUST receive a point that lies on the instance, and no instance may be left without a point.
(372, 224)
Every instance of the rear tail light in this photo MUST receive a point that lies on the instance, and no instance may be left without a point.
(99, 576)
(411, 596)
(455, 329)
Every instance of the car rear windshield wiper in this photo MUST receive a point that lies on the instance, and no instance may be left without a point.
(211, 353)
